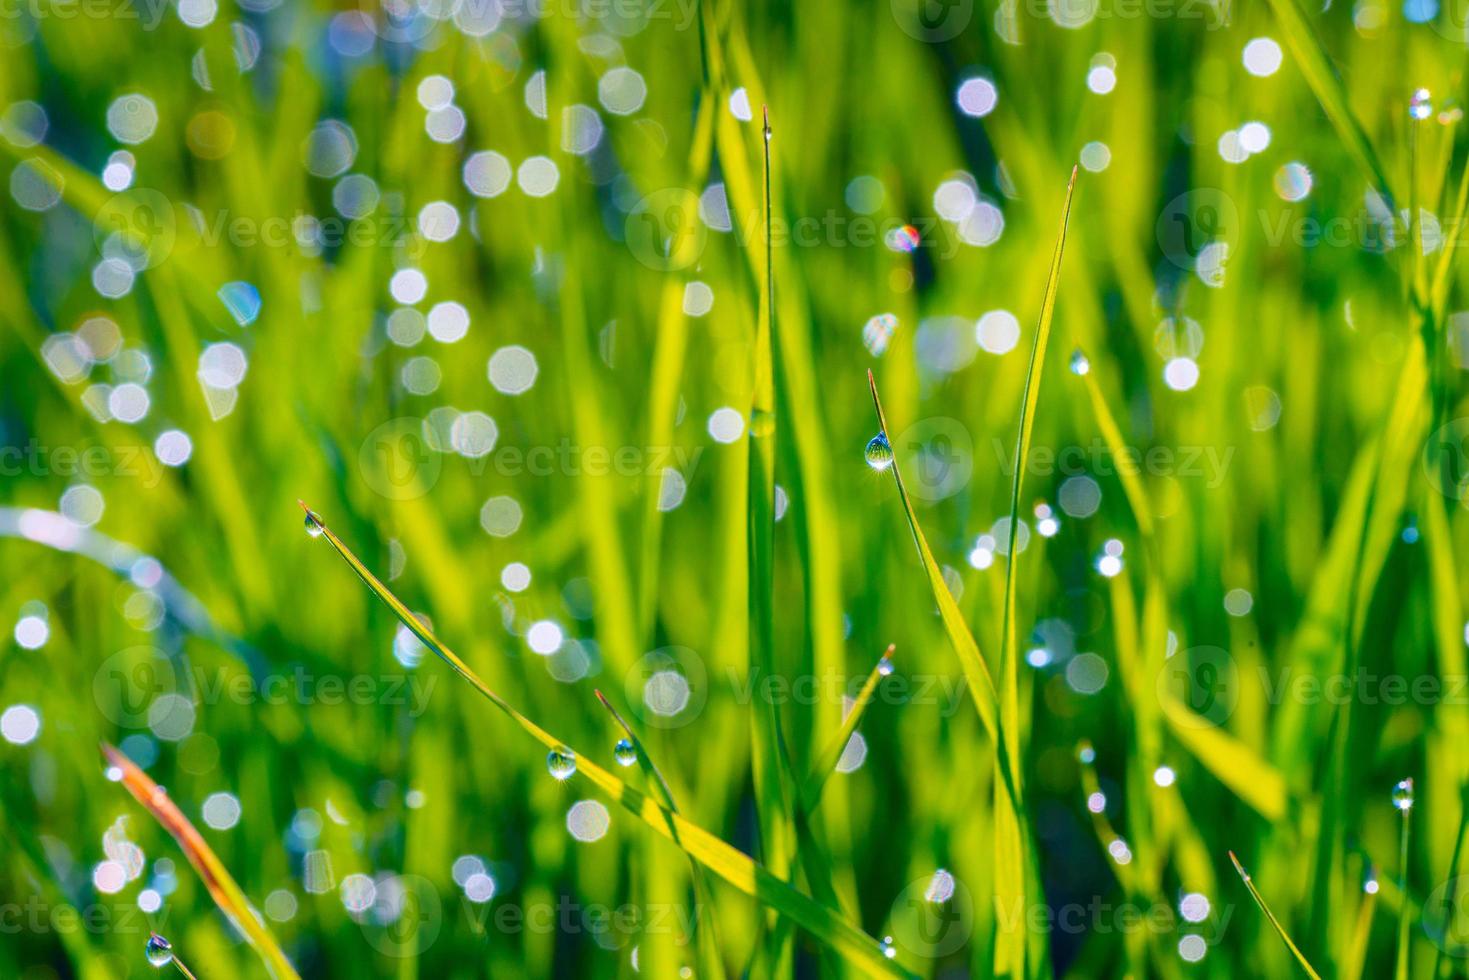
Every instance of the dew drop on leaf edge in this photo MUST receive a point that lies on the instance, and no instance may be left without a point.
(878, 452)
(561, 763)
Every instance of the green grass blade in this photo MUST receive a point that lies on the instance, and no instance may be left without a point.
(1401, 972)
(1255, 781)
(1012, 837)
(1321, 75)
(976, 671)
(825, 763)
(1280, 929)
(734, 867)
(707, 940)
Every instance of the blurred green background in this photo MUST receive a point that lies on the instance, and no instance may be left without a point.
(480, 282)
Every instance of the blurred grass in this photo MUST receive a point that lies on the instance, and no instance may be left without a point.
(1310, 510)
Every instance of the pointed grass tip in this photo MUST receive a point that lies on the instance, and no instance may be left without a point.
(1245, 875)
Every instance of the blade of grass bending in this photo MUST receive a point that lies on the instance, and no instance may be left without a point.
(1010, 863)
(826, 762)
(1260, 901)
(216, 877)
(730, 864)
(976, 671)
(707, 941)
(1310, 54)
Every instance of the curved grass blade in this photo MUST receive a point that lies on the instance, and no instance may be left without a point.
(216, 877)
(1260, 901)
(826, 762)
(1010, 863)
(976, 671)
(735, 867)
(707, 941)
(1310, 54)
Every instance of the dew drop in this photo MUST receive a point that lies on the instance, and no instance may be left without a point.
(879, 454)
(625, 752)
(313, 526)
(887, 947)
(885, 666)
(560, 763)
(158, 950)
(1402, 795)
(1079, 364)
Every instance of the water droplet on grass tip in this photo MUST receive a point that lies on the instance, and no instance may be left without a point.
(313, 526)
(887, 947)
(1079, 364)
(885, 666)
(561, 763)
(625, 752)
(879, 454)
(159, 950)
(1402, 795)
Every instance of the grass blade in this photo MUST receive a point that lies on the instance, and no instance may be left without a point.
(1321, 75)
(825, 763)
(1285, 936)
(735, 867)
(1255, 781)
(1011, 835)
(707, 940)
(216, 877)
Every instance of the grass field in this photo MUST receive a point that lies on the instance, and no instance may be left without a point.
(654, 611)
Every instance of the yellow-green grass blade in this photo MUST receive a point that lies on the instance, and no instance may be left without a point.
(1030, 402)
(736, 868)
(976, 671)
(825, 763)
(1356, 955)
(1010, 862)
(1255, 781)
(1012, 850)
(1280, 929)
(1321, 75)
(1401, 972)
(211, 870)
(707, 939)
(768, 755)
